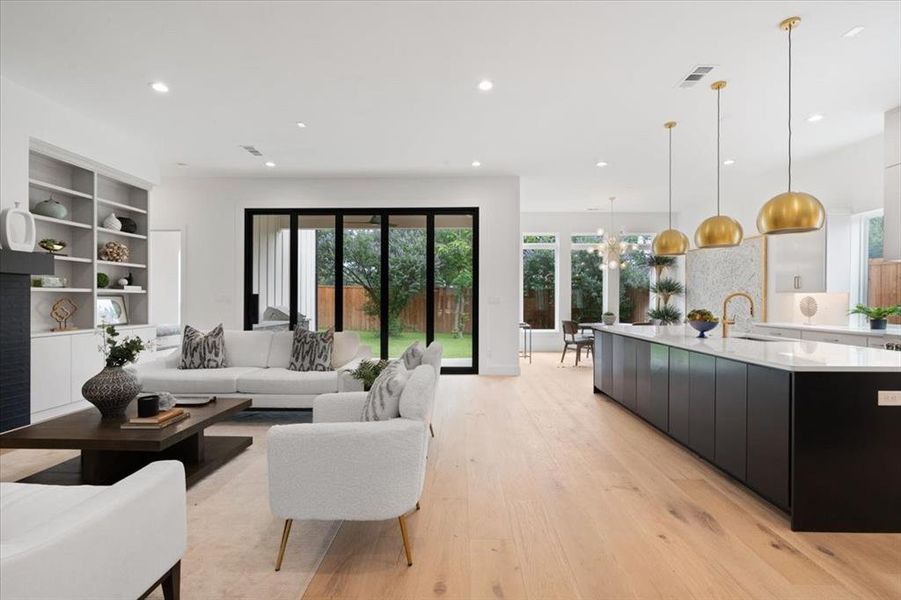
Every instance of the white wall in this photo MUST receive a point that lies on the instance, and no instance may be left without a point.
(25, 114)
(211, 214)
(892, 193)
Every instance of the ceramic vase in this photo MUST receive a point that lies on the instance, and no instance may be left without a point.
(50, 208)
(111, 222)
(17, 230)
(111, 391)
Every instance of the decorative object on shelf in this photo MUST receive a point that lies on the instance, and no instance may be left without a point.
(61, 311)
(17, 231)
(113, 389)
(790, 212)
(612, 247)
(718, 231)
(608, 318)
(123, 281)
(102, 280)
(128, 225)
(112, 310)
(50, 208)
(367, 372)
(702, 321)
(129, 279)
(114, 252)
(808, 307)
(51, 245)
(877, 315)
(111, 222)
(670, 242)
(49, 281)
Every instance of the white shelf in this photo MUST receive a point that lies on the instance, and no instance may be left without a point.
(75, 259)
(136, 236)
(65, 290)
(66, 222)
(121, 206)
(115, 291)
(110, 263)
(58, 188)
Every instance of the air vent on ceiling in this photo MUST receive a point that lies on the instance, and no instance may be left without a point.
(253, 150)
(695, 75)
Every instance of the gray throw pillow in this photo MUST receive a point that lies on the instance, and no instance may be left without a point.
(312, 351)
(383, 400)
(412, 356)
(203, 350)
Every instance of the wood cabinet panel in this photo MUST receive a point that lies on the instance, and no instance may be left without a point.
(702, 405)
(731, 417)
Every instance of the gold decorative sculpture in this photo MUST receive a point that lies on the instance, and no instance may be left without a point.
(62, 311)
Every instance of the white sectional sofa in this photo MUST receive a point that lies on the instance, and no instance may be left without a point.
(258, 368)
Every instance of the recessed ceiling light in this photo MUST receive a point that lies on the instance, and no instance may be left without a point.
(600, 163)
(853, 32)
(159, 86)
(301, 124)
(486, 85)
(814, 118)
(270, 164)
(729, 161)
(476, 163)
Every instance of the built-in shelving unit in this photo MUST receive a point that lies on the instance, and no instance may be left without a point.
(90, 193)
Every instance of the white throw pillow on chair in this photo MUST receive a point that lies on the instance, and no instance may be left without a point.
(383, 400)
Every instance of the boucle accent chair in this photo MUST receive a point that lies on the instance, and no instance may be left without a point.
(341, 468)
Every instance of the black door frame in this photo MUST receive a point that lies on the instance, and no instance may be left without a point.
(294, 214)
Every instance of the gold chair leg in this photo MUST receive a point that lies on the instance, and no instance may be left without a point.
(403, 533)
(432, 430)
(281, 549)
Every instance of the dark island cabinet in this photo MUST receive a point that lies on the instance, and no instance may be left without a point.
(624, 371)
(702, 405)
(603, 362)
(769, 439)
(678, 394)
(652, 385)
(731, 417)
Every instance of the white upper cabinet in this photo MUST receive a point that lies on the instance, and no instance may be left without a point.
(814, 262)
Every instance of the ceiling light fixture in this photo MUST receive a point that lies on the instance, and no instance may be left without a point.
(612, 247)
(269, 164)
(301, 124)
(853, 32)
(790, 212)
(718, 231)
(476, 163)
(670, 242)
(159, 86)
(600, 163)
(486, 85)
(729, 162)
(814, 118)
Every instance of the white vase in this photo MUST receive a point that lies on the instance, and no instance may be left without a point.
(17, 230)
(111, 222)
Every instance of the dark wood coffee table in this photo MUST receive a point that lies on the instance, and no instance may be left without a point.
(109, 453)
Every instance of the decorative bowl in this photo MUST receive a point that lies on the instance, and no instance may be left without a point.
(51, 245)
(703, 327)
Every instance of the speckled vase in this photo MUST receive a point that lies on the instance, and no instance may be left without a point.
(111, 391)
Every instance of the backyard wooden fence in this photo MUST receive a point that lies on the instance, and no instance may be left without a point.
(413, 315)
(884, 285)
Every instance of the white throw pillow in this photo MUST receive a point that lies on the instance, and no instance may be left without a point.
(383, 400)
(416, 397)
(412, 356)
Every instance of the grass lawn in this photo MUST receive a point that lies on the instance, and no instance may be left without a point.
(453, 347)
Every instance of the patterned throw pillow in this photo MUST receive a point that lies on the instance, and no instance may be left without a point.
(203, 350)
(312, 351)
(412, 356)
(383, 400)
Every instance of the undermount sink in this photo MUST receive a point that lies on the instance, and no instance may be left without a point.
(757, 338)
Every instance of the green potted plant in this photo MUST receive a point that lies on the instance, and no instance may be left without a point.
(878, 315)
(666, 288)
(112, 389)
(660, 263)
(367, 372)
(608, 318)
(665, 315)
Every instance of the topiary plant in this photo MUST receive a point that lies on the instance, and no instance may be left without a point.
(667, 315)
(666, 288)
(102, 280)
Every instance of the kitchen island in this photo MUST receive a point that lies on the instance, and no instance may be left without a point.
(812, 427)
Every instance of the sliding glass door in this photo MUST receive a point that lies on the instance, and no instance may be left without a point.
(394, 276)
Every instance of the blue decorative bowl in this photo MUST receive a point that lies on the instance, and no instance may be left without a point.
(703, 326)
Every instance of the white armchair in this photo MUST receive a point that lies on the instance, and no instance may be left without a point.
(94, 542)
(339, 468)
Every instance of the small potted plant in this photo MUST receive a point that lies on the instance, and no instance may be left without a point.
(367, 372)
(112, 389)
(878, 315)
(702, 321)
(665, 315)
(608, 318)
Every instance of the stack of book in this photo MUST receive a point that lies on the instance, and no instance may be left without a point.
(163, 419)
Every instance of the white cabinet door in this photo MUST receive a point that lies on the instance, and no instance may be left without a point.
(87, 361)
(834, 338)
(51, 367)
(798, 261)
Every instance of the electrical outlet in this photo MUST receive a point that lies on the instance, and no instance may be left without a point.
(889, 398)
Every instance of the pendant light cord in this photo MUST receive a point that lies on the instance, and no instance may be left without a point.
(670, 177)
(718, 152)
(790, 107)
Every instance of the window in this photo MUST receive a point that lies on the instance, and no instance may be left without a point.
(539, 280)
(587, 276)
(634, 279)
(867, 235)
(875, 234)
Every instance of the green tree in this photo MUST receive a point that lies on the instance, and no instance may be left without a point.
(538, 270)
(587, 286)
(453, 270)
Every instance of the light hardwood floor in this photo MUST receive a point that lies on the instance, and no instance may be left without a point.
(538, 488)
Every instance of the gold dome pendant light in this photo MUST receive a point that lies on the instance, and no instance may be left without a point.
(670, 242)
(719, 231)
(790, 212)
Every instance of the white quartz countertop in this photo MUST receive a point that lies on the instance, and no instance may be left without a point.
(788, 355)
(853, 329)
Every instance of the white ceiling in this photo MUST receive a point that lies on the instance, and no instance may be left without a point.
(390, 88)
